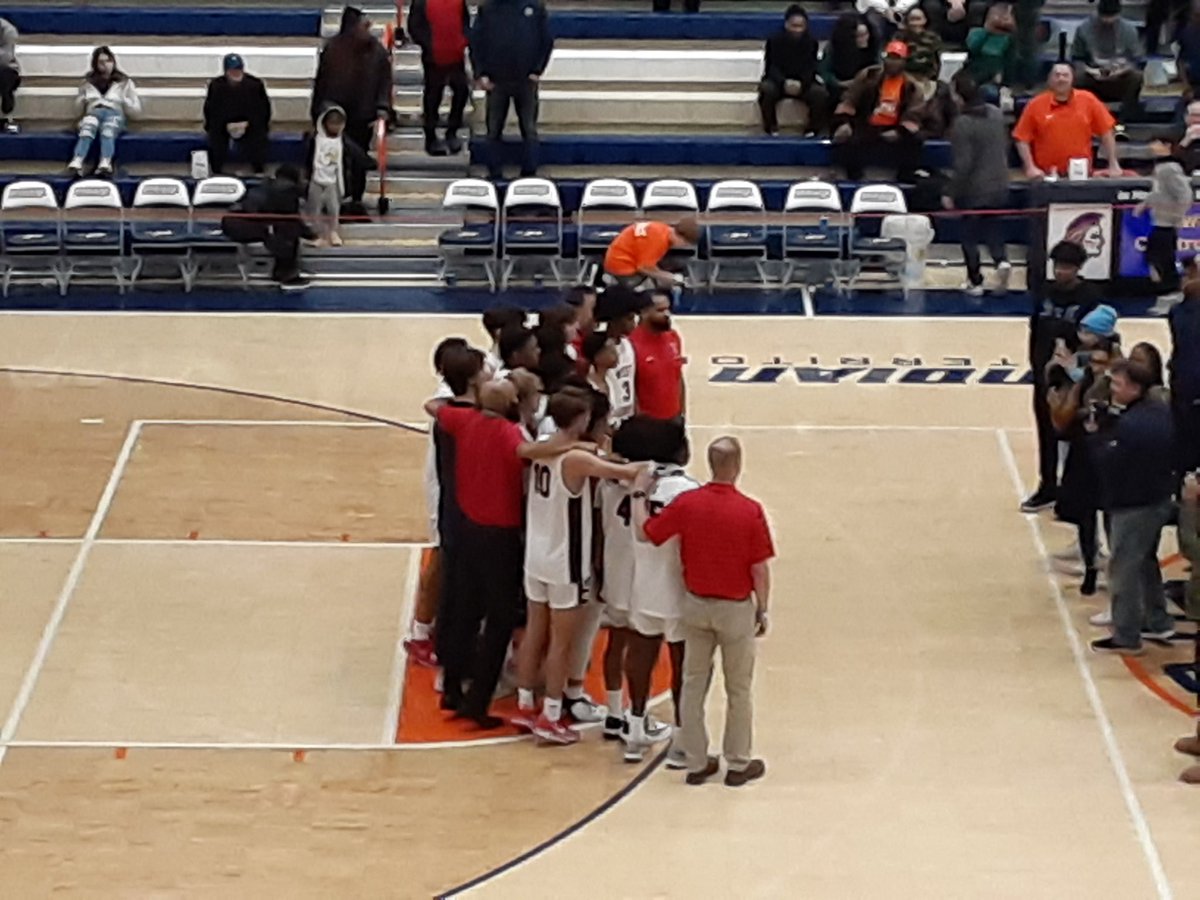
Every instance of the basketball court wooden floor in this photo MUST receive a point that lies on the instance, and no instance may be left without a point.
(202, 594)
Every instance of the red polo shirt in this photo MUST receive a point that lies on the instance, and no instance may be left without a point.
(488, 475)
(722, 533)
(658, 377)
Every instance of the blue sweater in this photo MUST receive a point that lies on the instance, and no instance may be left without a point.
(511, 40)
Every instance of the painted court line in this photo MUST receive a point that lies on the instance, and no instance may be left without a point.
(1140, 825)
(391, 722)
(312, 545)
(252, 423)
(29, 682)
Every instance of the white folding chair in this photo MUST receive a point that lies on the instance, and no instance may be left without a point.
(475, 243)
(210, 250)
(31, 232)
(869, 248)
(669, 200)
(93, 232)
(740, 230)
(813, 230)
(533, 227)
(612, 201)
(160, 225)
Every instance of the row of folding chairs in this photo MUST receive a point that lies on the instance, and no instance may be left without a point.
(92, 231)
(818, 236)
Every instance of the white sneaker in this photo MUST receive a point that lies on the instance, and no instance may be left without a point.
(76, 165)
(584, 710)
(1159, 635)
(656, 731)
(1003, 274)
(973, 290)
(676, 758)
(1101, 619)
(1165, 303)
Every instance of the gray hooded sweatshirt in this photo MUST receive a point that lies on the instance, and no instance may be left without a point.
(8, 45)
(1170, 196)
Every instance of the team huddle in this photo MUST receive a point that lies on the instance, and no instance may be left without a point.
(543, 449)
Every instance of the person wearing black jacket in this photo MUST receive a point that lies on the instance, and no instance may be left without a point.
(355, 73)
(1067, 299)
(1133, 452)
(270, 215)
(1184, 321)
(665, 6)
(237, 110)
(510, 49)
(790, 73)
(441, 28)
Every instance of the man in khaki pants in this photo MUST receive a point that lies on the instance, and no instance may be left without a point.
(725, 546)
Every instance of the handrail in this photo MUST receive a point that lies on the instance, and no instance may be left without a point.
(381, 124)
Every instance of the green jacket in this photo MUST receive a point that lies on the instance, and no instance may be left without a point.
(1189, 546)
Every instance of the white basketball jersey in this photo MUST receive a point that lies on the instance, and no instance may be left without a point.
(433, 490)
(658, 588)
(615, 512)
(620, 383)
(558, 527)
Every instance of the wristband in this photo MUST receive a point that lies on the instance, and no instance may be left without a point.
(639, 495)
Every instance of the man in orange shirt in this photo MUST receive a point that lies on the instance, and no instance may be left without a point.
(638, 251)
(1058, 125)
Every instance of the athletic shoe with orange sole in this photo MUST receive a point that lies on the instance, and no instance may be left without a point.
(421, 652)
(554, 732)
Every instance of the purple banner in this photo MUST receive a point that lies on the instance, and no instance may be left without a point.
(1134, 231)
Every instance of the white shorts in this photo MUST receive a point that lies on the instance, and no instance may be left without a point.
(653, 626)
(556, 596)
(615, 618)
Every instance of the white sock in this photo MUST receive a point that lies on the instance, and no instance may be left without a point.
(422, 631)
(574, 691)
(552, 709)
(637, 728)
(616, 703)
(525, 698)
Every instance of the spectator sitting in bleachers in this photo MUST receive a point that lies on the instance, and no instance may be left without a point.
(953, 20)
(790, 73)
(879, 117)
(1165, 12)
(665, 6)
(1058, 125)
(1189, 139)
(853, 46)
(992, 50)
(107, 97)
(10, 75)
(1108, 56)
(1188, 40)
(237, 110)
(924, 48)
(885, 16)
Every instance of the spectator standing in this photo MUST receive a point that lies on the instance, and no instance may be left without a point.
(10, 75)
(237, 111)
(1188, 56)
(979, 147)
(1027, 18)
(331, 161)
(510, 49)
(853, 47)
(1056, 317)
(1169, 201)
(879, 115)
(1133, 456)
(790, 73)
(658, 368)
(1189, 546)
(1108, 57)
(1184, 321)
(440, 28)
(991, 50)
(108, 97)
(1058, 125)
(355, 73)
(725, 546)
(1163, 12)
(637, 253)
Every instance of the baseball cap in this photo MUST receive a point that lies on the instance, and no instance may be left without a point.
(1108, 7)
(896, 48)
(233, 61)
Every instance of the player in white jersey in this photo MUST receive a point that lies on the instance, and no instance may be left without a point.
(657, 591)
(619, 308)
(558, 564)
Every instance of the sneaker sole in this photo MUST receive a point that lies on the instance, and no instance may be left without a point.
(1026, 508)
(558, 739)
(1119, 651)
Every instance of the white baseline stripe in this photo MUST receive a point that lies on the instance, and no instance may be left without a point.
(1140, 826)
(251, 423)
(391, 719)
(802, 427)
(314, 545)
(29, 682)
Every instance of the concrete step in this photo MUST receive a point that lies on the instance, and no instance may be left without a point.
(170, 58)
(159, 105)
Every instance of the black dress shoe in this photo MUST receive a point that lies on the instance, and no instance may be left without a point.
(713, 767)
(756, 770)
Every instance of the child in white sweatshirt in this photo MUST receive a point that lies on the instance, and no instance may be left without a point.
(327, 181)
(107, 98)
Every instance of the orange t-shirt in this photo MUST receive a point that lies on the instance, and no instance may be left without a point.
(638, 246)
(887, 112)
(1059, 132)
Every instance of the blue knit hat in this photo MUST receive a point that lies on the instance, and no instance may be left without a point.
(1101, 321)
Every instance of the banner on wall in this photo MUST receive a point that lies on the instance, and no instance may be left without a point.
(1135, 230)
(1088, 224)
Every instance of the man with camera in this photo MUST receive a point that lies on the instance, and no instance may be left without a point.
(1132, 445)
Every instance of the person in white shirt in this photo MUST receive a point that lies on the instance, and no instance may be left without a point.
(107, 98)
(619, 308)
(326, 179)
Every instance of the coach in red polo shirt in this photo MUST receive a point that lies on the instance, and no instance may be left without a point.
(658, 371)
(725, 546)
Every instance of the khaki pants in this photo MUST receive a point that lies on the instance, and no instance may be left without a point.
(707, 625)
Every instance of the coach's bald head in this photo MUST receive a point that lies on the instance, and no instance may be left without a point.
(725, 459)
(499, 397)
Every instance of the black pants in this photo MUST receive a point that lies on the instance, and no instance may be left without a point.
(488, 591)
(253, 146)
(281, 237)
(867, 144)
(437, 79)
(10, 80)
(524, 96)
(360, 133)
(1187, 433)
(1160, 257)
(1047, 437)
(984, 229)
(815, 97)
(1158, 14)
(665, 5)
(1124, 89)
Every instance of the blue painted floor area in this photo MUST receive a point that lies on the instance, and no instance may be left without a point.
(469, 300)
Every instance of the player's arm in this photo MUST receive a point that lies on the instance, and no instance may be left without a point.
(578, 465)
(661, 277)
(760, 573)
(555, 445)
(433, 405)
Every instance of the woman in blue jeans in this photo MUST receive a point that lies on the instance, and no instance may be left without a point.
(107, 98)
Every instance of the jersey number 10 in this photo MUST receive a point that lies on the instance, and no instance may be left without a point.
(541, 481)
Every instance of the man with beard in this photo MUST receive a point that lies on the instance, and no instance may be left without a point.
(658, 362)
(879, 118)
(790, 73)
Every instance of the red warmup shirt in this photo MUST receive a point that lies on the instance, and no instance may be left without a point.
(488, 475)
(447, 27)
(658, 375)
(722, 533)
